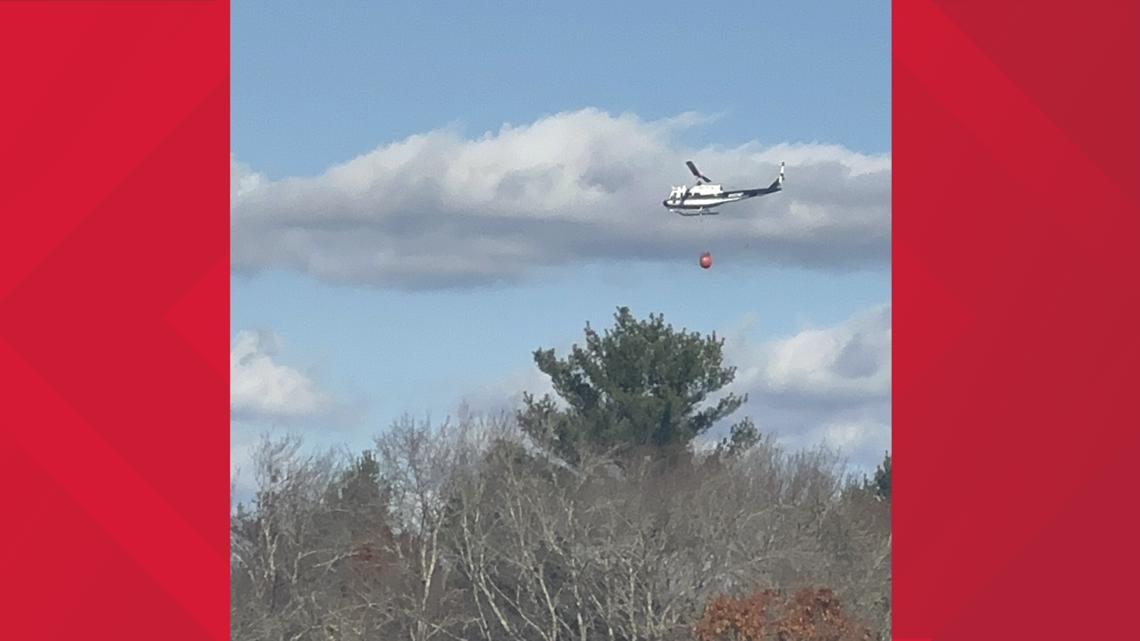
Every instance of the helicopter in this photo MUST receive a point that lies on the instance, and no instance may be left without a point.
(702, 198)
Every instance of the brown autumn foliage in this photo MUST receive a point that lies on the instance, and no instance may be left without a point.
(767, 615)
(735, 619)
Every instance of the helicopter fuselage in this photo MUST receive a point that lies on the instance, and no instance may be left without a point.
(702, 198)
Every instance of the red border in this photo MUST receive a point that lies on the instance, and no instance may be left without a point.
(1016, 225)
(114, 317)
(1016, 318)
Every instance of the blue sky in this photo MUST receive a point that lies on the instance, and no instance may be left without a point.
(318, 85)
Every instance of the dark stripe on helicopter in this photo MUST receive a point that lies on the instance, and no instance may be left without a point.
(734, 193)
(695, 201)
(688, 204)
(753, 192)
(707, 196)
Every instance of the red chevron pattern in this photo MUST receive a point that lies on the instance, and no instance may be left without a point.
(114, 300)
(1015, 229)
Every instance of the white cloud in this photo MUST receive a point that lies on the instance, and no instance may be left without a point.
(242, 180)
(846, 364)
(505, 394)
(821, 386)
(441, 210)
(859, 436)
(262, 388)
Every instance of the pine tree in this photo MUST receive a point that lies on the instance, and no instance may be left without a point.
(639, 386)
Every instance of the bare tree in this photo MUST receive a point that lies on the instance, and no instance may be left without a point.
(292, 556)
(466, 531)
(421, 465)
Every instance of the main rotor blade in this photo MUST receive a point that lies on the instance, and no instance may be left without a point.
(693, 168)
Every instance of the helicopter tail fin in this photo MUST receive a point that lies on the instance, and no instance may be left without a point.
(779, 182)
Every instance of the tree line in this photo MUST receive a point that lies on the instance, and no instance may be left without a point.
(595, 514)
